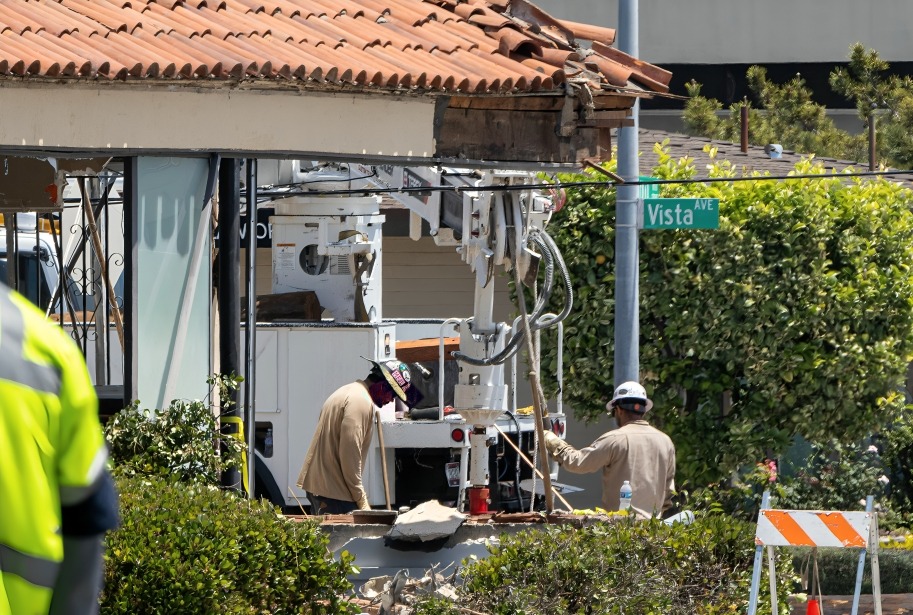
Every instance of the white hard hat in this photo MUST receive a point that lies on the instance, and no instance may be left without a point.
(630, 391)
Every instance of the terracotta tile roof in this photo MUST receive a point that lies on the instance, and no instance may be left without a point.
(480, 47)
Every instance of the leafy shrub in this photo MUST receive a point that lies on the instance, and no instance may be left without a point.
(896, 441)
(621, 567)
(740, 496)
(194, 549)
(837, 570)
(836, 477)
(831, 476)
(793, 318)
(181, 441)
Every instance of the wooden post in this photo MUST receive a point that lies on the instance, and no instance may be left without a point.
(96, 245)
(383, 457)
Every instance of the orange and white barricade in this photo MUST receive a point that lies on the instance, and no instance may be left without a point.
(815, 528)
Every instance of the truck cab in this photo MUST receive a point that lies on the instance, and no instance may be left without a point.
(37, 269)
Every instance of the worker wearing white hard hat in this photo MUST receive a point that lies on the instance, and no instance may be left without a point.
(332, 470)
(635, 452)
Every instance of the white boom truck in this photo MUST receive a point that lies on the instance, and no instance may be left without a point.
(327, 239)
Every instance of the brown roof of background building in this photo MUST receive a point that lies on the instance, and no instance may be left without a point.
(475, 47)
(755, 159)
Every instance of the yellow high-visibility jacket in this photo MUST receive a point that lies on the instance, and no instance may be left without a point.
(52, 450)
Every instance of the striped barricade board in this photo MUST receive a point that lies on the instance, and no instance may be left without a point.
(813, 528)
(817, 529)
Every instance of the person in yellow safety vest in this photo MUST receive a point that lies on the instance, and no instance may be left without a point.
(57, 498)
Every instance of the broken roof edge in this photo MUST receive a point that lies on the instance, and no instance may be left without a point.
(292, 87)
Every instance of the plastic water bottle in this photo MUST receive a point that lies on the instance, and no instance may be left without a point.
(626, 494)
(268, 444)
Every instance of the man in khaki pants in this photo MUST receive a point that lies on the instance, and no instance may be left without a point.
(636, 452)
(331, 474)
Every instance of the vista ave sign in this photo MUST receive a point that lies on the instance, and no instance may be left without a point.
(679, 213)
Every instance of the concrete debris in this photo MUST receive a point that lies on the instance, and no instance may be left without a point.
(427, 521)
(396, 595)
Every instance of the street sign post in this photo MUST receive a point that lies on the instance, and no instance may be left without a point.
(679, 213)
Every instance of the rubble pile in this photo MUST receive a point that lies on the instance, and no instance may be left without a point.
(396, 595)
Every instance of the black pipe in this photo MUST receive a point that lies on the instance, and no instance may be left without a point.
(250, 328)
(228, 292)
(131, 249)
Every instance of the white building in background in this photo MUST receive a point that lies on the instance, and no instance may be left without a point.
(714, 43)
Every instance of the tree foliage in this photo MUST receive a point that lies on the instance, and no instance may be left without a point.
(787, 114)
(867, 82)
(795, 317)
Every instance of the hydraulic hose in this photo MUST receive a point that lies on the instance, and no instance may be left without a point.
(541, 305)
(551, 256)
(568, 288)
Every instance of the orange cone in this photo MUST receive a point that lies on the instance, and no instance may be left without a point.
(812, 608)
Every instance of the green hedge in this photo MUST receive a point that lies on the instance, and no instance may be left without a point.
(195, 549)
(615, 568)
(837, 570)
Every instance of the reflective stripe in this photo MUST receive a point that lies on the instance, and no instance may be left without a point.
(35, 570)
(14, 367)
(74, 495)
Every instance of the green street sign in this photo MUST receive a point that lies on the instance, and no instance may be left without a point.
(679, 213)
(650, 191)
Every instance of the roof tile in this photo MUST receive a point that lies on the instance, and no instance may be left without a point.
(76, 20)
(616, 74)
(478, 46)
(200, 21)
(43, 18)
(514, 41)
(589, 32)
(449, 40)
(419, 36)
(101, 11)
(165, 22)
(12, 19)
(82, 65)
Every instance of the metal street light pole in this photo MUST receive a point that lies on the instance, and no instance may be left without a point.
(627, 326)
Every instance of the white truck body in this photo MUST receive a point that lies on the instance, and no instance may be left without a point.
(321, 243)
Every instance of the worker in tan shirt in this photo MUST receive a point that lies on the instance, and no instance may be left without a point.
(331, 474)
(635, 452)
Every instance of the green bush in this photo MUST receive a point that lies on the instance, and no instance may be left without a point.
(835, 476)
(837, 570)
(791, 319)
(194, 549)
(896, 442)
(181, 441)
(621, 567)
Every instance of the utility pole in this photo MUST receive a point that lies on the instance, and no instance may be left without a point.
(229, 294)
(627, 313)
